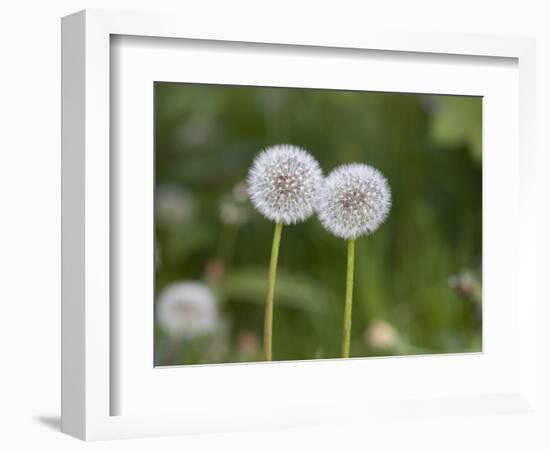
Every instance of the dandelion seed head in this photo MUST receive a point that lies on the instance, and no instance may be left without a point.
(283, 184)
(354, 201)
(187, 309)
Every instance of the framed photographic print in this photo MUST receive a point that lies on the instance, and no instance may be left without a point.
(220, 201)
(257, 221)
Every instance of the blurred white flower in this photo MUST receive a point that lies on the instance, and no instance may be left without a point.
(233, 208)
(194, 132)
(466, 283)
(187, 309)
(173, 205)
(283, 183)
(240, 194)
(233, 214)
(354, 201)
(381, 335)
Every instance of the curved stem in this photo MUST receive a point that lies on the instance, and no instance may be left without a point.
(349, 299)
(268, 324)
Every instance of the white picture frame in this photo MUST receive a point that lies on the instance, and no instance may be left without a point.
(89, 352)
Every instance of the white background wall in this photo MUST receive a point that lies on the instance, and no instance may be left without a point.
(29, 225)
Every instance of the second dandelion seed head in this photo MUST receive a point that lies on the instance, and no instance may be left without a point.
(283, 184)
(187, 309)
(354, 201)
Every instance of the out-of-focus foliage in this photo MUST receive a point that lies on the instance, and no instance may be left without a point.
(458, 122)
(407, 298)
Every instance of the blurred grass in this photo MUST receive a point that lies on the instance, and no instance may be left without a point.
(429, 148)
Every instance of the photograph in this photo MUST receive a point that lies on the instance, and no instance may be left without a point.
(308, 224)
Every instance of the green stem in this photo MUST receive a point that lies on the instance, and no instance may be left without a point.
(268, 325)
(349, 299)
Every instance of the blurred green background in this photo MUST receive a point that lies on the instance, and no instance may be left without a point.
(417, 279)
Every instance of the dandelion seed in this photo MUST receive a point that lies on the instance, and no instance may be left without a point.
(187, 309)
(353, 202)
